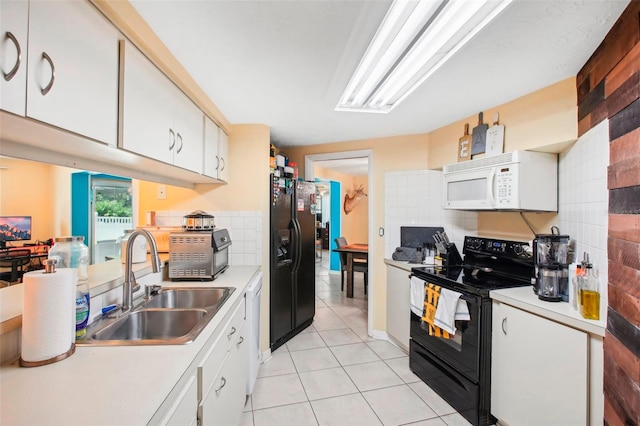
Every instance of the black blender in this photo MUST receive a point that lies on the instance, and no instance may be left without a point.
(551, 257)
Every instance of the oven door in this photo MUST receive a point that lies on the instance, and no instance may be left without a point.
(220, 261)
(462, 351)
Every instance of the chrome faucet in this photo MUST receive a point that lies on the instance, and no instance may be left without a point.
(130, 286)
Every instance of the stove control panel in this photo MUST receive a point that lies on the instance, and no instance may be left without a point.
(497, 247)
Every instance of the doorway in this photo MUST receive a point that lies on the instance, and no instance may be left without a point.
(101, 210)
(365, 159)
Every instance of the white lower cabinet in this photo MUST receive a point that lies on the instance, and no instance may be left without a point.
(398, 306)
(213, 390)
(539, 370)
(222, 375)
(184, 410)
(224, 401)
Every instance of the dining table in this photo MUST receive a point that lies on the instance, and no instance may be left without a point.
(353, 251)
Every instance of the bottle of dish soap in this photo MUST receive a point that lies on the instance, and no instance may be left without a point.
(71, 252)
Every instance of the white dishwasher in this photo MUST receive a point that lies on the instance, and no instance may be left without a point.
(252, 300)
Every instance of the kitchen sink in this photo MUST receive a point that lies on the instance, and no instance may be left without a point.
(185, 298)
(174, 316)
(153, 324)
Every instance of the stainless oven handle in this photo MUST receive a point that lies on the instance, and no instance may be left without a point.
(504, 324)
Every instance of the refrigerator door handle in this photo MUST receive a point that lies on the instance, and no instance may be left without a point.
(298, 245)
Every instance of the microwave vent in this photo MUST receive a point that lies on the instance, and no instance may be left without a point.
(509, 157)
(188, 239)
(189, 273)
(179, 256)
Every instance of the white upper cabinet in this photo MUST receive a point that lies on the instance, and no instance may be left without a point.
(72, 79)
(14, 20)
(223, 153)
(216, 150)
(211, 158)
(188, 125)
(158, 120)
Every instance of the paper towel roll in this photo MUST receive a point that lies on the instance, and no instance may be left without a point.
(48, 317)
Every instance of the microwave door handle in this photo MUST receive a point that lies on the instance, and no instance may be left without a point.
(491, 187)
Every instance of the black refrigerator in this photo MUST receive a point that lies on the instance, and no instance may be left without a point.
(292, 258)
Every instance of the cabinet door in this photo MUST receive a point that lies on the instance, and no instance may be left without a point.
(188, 125)
(14, 17)
(211, 159)
(225, 400)
(147, 116)
(223, 152)
(398, 306)
(538, 370)
(73, 52)
(185, 409)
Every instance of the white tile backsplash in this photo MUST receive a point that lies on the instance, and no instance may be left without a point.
(245, 230)
(414, 198)
(584, 198)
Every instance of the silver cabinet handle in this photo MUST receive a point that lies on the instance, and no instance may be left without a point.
(240, 340)
(179, 137)
(504, 325)
(224, 382)
(172, 139)
(223, 164)
(53, 74)
(233, 331)
(8, 76)
(217, 163)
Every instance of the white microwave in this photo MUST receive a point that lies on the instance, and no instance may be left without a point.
(516, 181)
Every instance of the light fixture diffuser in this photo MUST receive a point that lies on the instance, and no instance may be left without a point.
(414, 39)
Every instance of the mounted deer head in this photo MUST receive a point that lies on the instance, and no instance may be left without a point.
(350, 201)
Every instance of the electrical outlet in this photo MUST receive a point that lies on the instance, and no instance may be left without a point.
(162, 192)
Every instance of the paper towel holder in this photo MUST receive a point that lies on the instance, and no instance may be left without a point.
(49, 268)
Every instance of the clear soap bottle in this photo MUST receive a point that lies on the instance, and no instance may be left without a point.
(71, 252)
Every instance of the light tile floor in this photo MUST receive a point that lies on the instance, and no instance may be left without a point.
(334, 374)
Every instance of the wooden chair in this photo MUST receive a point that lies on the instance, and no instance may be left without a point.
(359, 265)
(17, 262)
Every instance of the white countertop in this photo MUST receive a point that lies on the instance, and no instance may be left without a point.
(562, 312)
(404, 265)
(110, 385)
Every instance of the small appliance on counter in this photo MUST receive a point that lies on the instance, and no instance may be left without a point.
(551, 257)
(198, 252)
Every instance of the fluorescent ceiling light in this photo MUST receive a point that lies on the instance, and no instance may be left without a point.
(414, 39)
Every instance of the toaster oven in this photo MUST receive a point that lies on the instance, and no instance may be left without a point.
(198, 255)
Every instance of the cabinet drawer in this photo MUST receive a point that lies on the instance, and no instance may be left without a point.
(210, 365)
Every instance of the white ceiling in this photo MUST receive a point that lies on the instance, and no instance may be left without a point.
(285, 63)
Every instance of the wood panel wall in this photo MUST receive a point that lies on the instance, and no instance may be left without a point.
(609, 87)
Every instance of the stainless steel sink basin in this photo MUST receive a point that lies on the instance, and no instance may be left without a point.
(192, 297)
(153, 324)
(174, 316)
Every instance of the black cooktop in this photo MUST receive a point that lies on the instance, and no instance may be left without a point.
(488, 264)
(461, 279)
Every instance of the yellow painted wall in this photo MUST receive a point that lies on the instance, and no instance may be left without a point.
(545, 120)
(39, 190)
(354, 226)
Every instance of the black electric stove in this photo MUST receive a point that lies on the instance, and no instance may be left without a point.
(459, 368)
